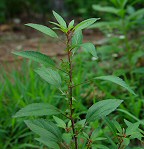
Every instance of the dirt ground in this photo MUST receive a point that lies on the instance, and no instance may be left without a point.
(29, 39)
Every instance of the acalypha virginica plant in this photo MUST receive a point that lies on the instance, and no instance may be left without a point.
(64, 129)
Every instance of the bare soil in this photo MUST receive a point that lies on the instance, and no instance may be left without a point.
(29, 39)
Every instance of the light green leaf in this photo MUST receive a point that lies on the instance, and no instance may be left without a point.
(99, 139)
(137, 13)
(105, 25)
(95, 134)
(118, 127)
(44, 29)
(77, 38)
(123, 3)
(60, 20)
(45, 129)
(49, 75)
(85, 24)
(116, 80)
(54, 23)
(105, 9)
(126, 142)
(71, 25)
(36, 56)
(67, 137)
(85, 135)
(45, 141)
(89, 47)
(60, 122)
(99, 146)
(132, 127)
(69, 124)
(131, 115)
(101, 109)
(37, 109)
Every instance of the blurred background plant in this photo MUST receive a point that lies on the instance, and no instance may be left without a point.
(120, 45)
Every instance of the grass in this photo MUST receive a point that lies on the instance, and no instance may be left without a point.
(18, 89)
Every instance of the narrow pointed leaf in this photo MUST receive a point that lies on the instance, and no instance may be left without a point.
(45, 128)
(60, 19)
(49, 75)
(101, 109)
(60, 122)
(54, 23)
(71, 25)
(48, 143)
(37, 109)
(44, 29)
(105, 9)
(36, 56)
(85, 24)
(89, 47)
(116, 80)
(77, 38)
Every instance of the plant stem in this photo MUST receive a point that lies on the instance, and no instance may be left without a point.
(70, 88)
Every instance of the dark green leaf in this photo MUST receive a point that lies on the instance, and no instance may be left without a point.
(37, 109)
(45, 141)
(116, 80)
(101, 109)
(44, 29)
(36, 56)
(49, 75)
(45, 129)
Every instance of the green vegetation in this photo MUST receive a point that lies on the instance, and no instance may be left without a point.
(100, 106)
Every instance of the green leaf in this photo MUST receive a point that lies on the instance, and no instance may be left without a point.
(116, 80)
(85, 24)
(37, 109)
(125, 142)
(60, 20)
(50, 144)
(71, 25)
(54, 23)
(132, 127)
(36, 56)
(101, 109)
(105, 9)
(131, 115)
(44, 29)
(137, 13)
(45, 129)
(49, 75)
(60, 122)
(99, 139)
(99, 146)
(118, 127)
(85, 135)
(77, 38)
(67, 137)
(123, 3)
(89, 47)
